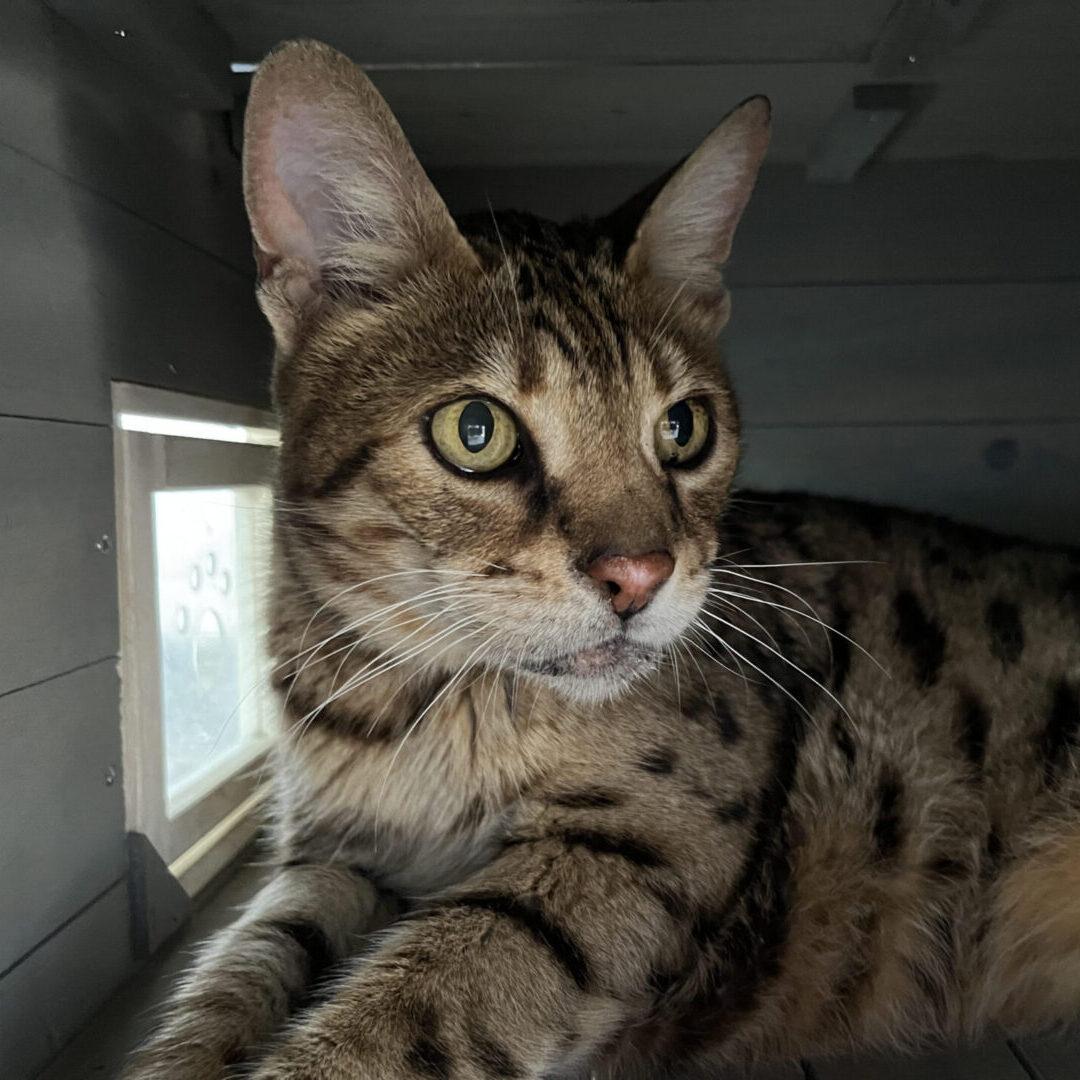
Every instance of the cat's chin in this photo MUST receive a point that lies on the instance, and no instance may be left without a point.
(599, 672)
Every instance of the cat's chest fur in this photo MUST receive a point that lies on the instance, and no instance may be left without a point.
(415, 813)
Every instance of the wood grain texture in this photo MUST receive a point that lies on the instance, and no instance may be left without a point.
(92, 292)
(55, 990)
(61, 816)
(1019, 479)
(57, 589)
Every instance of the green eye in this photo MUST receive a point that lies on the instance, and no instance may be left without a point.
(681, 432)
(474, 435)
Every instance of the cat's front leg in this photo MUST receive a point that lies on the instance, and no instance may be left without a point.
(248, 976)
(529, 969)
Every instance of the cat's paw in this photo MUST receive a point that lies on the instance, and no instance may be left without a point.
(352, 1048)
(306, 1059)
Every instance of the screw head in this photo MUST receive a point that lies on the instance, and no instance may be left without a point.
(103, 545)
(110, 775)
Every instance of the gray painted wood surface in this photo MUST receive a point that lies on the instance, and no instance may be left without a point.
(77, 111)
(1020, 479)
(397, 32)
(786, 1071)
(872, 354)
(92, 292)
(54, 991)
(125, 255)
(61, 803)
(125, 1020)
(961, 221)
(568, 82)
(992, 1060)
(1052, 1057)
(57, 588)
(609, 115)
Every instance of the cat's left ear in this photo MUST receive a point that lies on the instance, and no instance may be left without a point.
(336, 197)
(685, 236)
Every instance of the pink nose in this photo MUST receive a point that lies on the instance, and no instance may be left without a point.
(632, 579)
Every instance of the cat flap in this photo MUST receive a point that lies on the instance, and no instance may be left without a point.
(335, 194)
(685, 235)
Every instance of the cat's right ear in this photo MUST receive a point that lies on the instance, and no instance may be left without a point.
(335, 195)
(684, 237)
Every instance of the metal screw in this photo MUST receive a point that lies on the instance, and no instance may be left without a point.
(110, 775)
(104, 544)
(120, 33)
(912, 58)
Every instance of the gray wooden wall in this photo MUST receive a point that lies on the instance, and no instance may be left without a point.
(124, 255)
(910, 338)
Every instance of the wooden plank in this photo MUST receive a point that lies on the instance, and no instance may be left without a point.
(990, 1061)
(856, 132)
(176, 46)
(998, 109)
(906, 353)
(54, 991)
(92, 293)
(1019, 479)
(602, 115)
(57, 589)
(72, 107)
(1053, 1057)
(61, 803)
(1019, 31)
(787, 1070)
(414, 32)
(995, 108)
(901, 222)
(126, 1019)
(912, 221)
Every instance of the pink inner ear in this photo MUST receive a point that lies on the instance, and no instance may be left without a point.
(293, 204)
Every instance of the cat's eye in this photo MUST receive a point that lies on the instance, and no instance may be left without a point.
(475, 435)
(680, 434)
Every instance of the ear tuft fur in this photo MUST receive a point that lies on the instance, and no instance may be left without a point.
(685, 236)
(335, 194)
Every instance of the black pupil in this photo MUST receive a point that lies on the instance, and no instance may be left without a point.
(680, 419)
(475, 426)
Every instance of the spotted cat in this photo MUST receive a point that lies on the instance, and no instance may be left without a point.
(648, 777)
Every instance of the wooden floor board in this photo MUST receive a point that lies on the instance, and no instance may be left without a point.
(992, 1060)
(1053, 1057)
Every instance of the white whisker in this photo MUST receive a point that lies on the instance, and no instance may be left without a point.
(791, 663)
(735, 652)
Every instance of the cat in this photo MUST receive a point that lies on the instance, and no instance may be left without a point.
(646, 776)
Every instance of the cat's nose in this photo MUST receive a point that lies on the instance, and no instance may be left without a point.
(631, 579)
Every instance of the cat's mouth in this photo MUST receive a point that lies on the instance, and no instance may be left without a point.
(617, 657)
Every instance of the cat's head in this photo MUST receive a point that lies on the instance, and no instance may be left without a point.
(511, 450)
